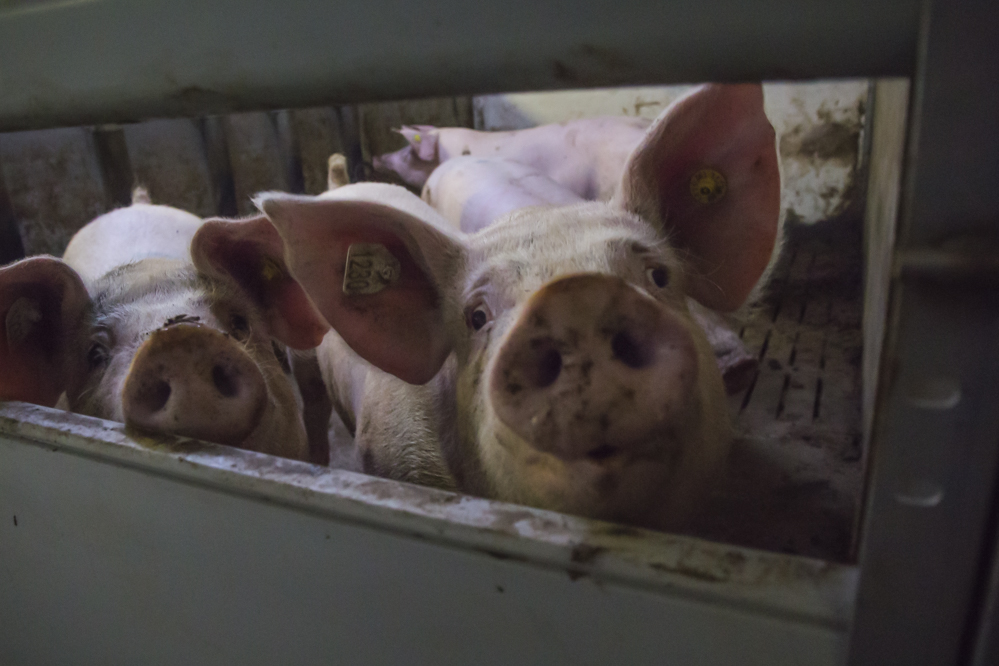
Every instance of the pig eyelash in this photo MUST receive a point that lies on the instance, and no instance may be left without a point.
(99, 350)
(97, 355)
(658, 275)
(477, 316)
(282, 357)
(239, 327)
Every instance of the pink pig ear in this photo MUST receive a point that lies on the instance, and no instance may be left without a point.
(43, 304)
(423, 139)
(390, 309)
(706, 174)
(250, 252)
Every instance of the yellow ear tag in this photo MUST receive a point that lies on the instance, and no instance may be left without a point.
(708, 186)
(271, 270)
(416, 138)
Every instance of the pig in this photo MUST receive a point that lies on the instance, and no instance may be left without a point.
(585, 156)
(137, 324)
(473, 192)
(548, 359)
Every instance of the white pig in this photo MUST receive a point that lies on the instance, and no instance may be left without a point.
(474, 192)
(586, 156)
(125, 328)
(549, 359)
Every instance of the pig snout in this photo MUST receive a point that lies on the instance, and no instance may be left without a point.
(594, 368)
(194, 381)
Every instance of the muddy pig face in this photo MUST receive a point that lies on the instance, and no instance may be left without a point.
(579, 381)
(157, 345)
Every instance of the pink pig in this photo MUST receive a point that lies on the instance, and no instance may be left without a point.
(585, 156)
(133, 326)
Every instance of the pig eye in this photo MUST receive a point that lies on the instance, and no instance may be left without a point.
(477, 317)
(282, 357)
(97, 355)
(240, 327)
(658, 275)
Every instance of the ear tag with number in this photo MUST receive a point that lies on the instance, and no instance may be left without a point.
(708, 186)
(370, 268)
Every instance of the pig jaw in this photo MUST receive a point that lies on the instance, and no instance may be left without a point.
(659, 486)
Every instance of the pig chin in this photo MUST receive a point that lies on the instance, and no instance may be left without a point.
(631, 487)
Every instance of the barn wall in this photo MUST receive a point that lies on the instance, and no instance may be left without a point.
(52, 182)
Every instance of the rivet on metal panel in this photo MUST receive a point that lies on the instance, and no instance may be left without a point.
(920, 493)
(934, 393)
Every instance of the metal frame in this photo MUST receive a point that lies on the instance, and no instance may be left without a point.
(929, 531)
(169, 551)
(95, 61)
(929, 538)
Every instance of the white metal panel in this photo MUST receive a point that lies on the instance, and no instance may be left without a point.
(931, 510)
(117, 551)
(102, 60)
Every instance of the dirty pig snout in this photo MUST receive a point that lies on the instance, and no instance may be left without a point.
(592, 368)
(194, 381)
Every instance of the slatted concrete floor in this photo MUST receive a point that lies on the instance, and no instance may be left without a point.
(794, 481)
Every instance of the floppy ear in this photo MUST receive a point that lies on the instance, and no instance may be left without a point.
(249, 251)
(706, 174)
(43, 304)
(390, 308)
(423, 139)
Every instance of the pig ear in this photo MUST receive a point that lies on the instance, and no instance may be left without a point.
(423, 139)
(706, 174)
(249, 251)
(390, 308)
(42, 307)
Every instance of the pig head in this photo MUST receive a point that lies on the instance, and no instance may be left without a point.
(552, 355)
(129, 329)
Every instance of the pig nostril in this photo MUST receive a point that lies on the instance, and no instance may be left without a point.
(549, 367)
(602, 452)
(225, 382)
(628, 351)
(155, 396)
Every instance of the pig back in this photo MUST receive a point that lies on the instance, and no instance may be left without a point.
(127, 235)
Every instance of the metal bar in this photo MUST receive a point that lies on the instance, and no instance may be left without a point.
(936, 439)
(967, 258)
(91, 61)
(11, 245)
(986, 639)
(168, 551)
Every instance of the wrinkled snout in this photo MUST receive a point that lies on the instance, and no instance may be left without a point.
(195, 381)
(594, 368)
